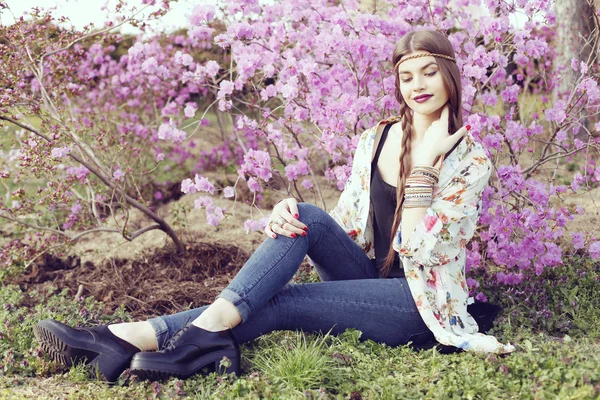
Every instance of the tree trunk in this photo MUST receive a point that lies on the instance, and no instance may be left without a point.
(576, 37)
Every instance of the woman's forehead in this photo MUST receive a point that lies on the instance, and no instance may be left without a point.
(416, 64)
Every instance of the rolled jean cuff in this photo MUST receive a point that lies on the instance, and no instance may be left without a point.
(239, 303)
(161, 329)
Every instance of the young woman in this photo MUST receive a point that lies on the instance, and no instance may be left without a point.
(418, 176)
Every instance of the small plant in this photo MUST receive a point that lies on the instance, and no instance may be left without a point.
(179, 213)
(300, 364)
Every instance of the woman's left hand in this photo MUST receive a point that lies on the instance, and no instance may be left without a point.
(436, 140)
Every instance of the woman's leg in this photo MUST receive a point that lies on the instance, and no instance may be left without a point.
(270, 267)
(276, 261)
(264, 274)
(383, 309)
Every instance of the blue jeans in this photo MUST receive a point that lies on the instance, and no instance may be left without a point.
(351, 294)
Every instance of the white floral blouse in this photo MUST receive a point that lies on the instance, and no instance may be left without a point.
(434, 255)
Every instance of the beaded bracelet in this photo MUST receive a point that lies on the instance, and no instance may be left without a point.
(418, 190)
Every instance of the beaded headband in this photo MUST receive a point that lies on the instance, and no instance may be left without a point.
(424, 55)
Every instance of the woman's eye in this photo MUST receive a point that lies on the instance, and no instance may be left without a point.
(409, 79)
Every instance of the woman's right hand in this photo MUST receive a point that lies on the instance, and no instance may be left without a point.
(286, 210)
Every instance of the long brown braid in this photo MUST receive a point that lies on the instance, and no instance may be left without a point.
(432, 42)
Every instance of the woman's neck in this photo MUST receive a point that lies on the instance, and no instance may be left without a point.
(422, 122)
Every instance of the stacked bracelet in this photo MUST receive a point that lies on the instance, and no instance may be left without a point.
(418, 190)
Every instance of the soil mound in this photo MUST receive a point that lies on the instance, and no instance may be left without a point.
(157, 282)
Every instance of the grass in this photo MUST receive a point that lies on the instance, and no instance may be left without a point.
(554, 360)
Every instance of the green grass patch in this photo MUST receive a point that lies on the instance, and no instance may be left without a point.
(553, 359)
(563, 300)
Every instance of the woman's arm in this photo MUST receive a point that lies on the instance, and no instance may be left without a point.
(412, 216)
(446, 227)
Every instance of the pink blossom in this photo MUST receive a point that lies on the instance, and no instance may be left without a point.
(307, 184)
(578, 180)
(294, 171)
(183, 58)
(190, 110)
(178, 135)
(187, 186)
(251, 225)
(257, 163)
(214, 214)
(212, 68)
(578, 240)
(225, 105)
(202, 13)
(228, 192)
(60, 152)
(164, 131)
(79, 173)
(226, 88)
(203, 201)
(594, 250)
(201, 184)
(472, 283)
(76, 208)
(556, 113)
(150, 66)
(169, 131)
(511, 176)
(481, 297)
(253, 185)
(118, 174)
(510, 94)
(162, 72)
(509, 278)
(136, 51)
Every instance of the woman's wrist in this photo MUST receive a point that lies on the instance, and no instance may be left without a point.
(418, 189)
(425, 161)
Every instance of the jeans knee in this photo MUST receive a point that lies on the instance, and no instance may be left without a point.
(309, 212)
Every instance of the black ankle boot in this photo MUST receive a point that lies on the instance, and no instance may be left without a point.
(188, 351)
(97, 346)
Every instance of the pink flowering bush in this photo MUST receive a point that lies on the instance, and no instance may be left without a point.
(299, 81)
(316, 74)
(84, 127)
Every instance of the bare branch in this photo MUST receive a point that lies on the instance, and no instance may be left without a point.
(28, 128)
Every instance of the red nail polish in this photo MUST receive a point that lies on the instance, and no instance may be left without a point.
(296, 216)
(305, 228)
(274, 236)
(303, 233)
(293, 235)
(468, 127)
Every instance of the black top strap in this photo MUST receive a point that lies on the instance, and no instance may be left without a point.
(381, 141)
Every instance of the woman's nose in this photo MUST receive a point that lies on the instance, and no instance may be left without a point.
(419, 85)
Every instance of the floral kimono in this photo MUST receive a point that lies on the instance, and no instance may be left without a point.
(434, 255)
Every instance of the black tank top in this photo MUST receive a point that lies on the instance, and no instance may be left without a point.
(383, 199)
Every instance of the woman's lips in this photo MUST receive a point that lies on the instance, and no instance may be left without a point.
(423, 99)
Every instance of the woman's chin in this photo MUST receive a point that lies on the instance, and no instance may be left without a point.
(427, 112)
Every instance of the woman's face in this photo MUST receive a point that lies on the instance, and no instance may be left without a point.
(422, 76)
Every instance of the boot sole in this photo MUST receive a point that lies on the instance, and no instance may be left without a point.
(62, 347)
(153, 371)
